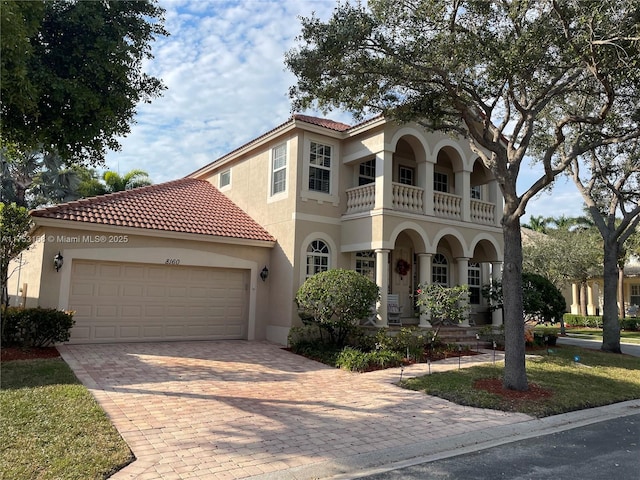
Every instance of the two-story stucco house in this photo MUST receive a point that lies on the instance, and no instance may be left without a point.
(221, 253)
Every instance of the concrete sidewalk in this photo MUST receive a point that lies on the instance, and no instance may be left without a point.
(235, 409)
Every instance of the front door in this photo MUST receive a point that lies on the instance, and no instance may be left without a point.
(402, 274)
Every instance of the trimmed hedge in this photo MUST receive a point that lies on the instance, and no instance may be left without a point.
(588, 321)
(35, 327)
(593, 321)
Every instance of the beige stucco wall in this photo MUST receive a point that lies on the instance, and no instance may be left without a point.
(298, 216)
(135, 245)
(25, 269)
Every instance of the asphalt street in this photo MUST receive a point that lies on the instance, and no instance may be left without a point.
(605, 450)
(627, 348)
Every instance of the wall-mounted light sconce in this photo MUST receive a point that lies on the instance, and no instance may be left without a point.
(264, 273)
(58, 260)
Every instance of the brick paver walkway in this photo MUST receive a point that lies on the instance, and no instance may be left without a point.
(236, 409)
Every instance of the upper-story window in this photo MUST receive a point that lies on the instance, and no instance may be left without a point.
(278, 169)
(225, 178)
(440, 270)
(440, 182)
(320, 168)
(405, 175)
(367, 173)
(475, 280)
(366, 264)
(317, 257)
(476, 192)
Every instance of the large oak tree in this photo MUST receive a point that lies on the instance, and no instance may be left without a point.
(72, 73)
(608, 179)
(521, 80)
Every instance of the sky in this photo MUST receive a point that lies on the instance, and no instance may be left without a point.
(223, 65)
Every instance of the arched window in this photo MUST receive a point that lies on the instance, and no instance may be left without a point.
(317, 257)
(440, 270)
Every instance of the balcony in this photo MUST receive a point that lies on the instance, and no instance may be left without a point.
(407, 198)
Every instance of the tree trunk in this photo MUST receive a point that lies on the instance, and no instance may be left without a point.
(583, 299)
(515, 373)
(621, 292)
(610, 322)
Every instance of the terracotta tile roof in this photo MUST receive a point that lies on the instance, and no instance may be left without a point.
(186, 205)
(323, 122)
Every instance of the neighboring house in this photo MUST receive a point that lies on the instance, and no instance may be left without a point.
(628, 293)
(181, 261)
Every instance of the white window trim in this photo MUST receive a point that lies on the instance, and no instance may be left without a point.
(320, 197)
(279, 195)
(228, 185)
(302, 262)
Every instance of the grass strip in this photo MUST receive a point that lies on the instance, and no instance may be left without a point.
(595, 379)
(52, 427)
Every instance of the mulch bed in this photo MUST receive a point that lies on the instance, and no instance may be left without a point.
(494, 385)
(9, 354)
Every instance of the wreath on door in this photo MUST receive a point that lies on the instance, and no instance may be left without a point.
(403, 267)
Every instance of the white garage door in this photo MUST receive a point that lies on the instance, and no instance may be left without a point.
(130, 302)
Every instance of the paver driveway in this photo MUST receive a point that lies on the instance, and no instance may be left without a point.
(236, 409)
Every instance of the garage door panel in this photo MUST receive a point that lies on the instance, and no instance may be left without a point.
(106, 311)
(110, 271)
(105, 333)
(180, 292)
(130, 290)
(130, 332)
(134, 272)
(156, 291)
(108, 290)
(138, 302)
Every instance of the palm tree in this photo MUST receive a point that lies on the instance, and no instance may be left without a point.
(55, 182)
(537, 224)
(132, 179)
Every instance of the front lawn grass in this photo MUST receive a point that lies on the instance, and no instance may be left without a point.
(52, 428)
(596, 379)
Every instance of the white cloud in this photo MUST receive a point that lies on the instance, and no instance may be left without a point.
(223, 64)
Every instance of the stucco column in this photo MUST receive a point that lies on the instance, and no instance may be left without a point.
(424, 272)
(463, 189)
(496, 276)
(384, 180)
(382, 279)
(495, 197)
(463, 279)
(592, 294)
(425, 181)
(575, 298)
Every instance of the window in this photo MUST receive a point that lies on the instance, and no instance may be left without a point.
(440, 270)
(225, 178)
(320, 168)
(366, 264)
(317, 258)
(635, 295)
(405, 175)
(367, 172)
(475, 280)
(440, 182)
(476, 192)
(278, 169)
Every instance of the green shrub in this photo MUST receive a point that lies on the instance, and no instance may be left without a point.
(356, 360)
(337, 301)
(492, 334)
(630, 324)
(35, 327)
(586, 321)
